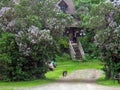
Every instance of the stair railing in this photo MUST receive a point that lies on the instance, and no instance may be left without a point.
(72, 51)
(81, 49)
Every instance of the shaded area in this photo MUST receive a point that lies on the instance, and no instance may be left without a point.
(76, 81)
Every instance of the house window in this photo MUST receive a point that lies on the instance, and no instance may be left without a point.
(63, 6)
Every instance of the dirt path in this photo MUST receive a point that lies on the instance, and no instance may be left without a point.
(78, 80)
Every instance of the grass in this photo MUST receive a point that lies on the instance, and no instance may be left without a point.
(69, 65)
(106, 82)
(63, 63)
(12, 85)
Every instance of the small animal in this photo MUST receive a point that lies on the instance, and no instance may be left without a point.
(64, 74)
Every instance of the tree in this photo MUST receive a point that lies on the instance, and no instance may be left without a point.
(109, 43)
(25, 56)
(101, 22)
(35, 25)
(83, 15)
(43, 14)
(104, 22)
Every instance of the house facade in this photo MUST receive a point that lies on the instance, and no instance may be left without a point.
(73, 31)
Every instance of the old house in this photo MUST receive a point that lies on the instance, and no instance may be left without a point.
(73, 31)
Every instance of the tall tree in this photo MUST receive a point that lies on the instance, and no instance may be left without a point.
(104, 20)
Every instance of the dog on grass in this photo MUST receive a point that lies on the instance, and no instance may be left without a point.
(64, 74)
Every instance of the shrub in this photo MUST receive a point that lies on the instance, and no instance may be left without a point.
(24, 63)
(9, 54)
(64, 45)
(89, 47)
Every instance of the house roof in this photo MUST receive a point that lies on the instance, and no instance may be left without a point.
(71, 8)
(62, 3)
(16, 1)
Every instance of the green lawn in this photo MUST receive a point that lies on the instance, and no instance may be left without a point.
(107, 82)
(63, 63)
(70, 66)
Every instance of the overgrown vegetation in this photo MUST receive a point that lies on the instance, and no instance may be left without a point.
(101, 22)
(30, 31)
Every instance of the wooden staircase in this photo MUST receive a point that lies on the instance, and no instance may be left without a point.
(76, 50)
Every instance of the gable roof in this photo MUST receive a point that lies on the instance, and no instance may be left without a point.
(70, 8)
(16, 1)
(63, 3)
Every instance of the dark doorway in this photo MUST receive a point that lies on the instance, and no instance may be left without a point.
(72, 33)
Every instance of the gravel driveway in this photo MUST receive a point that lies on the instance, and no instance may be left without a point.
(78, 80)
